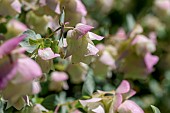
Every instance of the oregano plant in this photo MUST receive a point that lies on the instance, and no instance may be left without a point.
(82, 56)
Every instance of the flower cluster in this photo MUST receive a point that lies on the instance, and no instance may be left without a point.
(17, 73)
(58, 57)
(113, 101)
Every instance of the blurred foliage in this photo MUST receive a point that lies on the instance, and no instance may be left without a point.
(107, 16)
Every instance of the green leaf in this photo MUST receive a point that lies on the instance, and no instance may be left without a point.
(47, 43)
(32, 41)
(50, 102)
(155, 109)
(3, 28)
(62, 17)
(89, 85)
(35, 42)
(1, 106)
(49, 32)
(54, 46)
(130, 21)
(27, 109)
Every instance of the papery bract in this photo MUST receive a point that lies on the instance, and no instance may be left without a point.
(124, 87)
(129, 106)
(23, 80)
(93, 36)
(59, 76)
(99, 109)
(107, 59)
(113, 101)
(15, 27)
(163, 4)
(93, 100)
(77, 72)
(17, 73)
(82, 29)
(143, 44)
(26, 70)
(7, 72)
(58, 81)
(92, 50)
(150, 61)
(47, 54)
(117, 101)
(78, 38)
(121, 33)
(8, 8)
(10, 45)
(16, 5)
(81, 8)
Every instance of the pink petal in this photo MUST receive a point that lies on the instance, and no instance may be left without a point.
(83, 29)
(83, 20)
(140, 39)
(36, 88)
(124, 87)
(57, 9)
(92, 100)
(47, 54)
(129, 94)
(99, 109)
(19, 50)
(107, 59)
(153, 36)
(117, 101)
(18, 25)
(100, 46)
(81, 8)
(42, 2)
(121, 33)
(77, 111)
(59, 76)
(163, 4)
(92, 50)
(7, 72)
(16, 5)
(65, 86)
(129, 107)
(10, 45)
(56, 109)
(28, 70)
(150, 60)
(93, 36)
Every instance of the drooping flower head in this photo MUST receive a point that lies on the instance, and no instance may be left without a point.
(58, 81)
(116, 102)
(80, 38)
(17, 72)
(47, 54)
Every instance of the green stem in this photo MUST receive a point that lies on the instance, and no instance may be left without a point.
(53, 32)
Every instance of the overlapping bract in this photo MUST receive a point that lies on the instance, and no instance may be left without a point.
(116, 101)
(17, 75)
(80, 39)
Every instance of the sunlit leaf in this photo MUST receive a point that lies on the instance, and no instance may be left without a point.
(50, 102)
(155, 109)
(89, 85)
